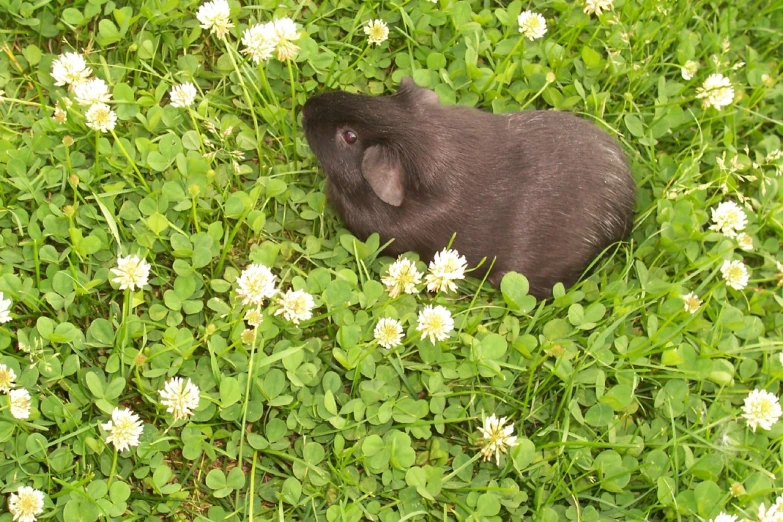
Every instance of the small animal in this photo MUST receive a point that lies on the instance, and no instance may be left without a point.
(541, 192)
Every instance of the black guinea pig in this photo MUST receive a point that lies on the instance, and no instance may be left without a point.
(542, 192)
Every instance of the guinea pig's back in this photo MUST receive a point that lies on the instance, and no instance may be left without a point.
(575, 194)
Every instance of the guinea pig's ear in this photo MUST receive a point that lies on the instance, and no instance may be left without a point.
(409, 88)
(383, 170)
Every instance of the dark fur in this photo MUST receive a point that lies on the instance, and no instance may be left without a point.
(543, 191)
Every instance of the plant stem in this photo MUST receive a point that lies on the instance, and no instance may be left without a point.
(252, 484)
(193, 212)
(113, 468)
(198, 132)
(502, 66)
(98, 170)
(247, 400)
(293, 103)
(536, 95)
(133, 163)
(276, 105)
(249, 101)
(471, 461)
(359, 58)
(126, 310)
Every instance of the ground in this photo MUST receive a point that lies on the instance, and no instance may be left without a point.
(130, 231)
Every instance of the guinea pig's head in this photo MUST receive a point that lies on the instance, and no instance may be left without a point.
(369, 144)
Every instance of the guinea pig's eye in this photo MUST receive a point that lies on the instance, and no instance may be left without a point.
(350, 137)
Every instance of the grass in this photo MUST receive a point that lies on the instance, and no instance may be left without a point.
(626, 406)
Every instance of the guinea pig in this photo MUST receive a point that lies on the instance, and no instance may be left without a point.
(543, 193)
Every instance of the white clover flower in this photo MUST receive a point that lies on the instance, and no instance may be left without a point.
(92, 91)
(689, 70)
(26, 504)
(388, 333)
(597, 7)
(183, 95)
(20, 403)
(286, 32)
(377, 32)
(446, 267)
(745, 242)
(260, 42)
(60, 116)
(248, 336)
(132, 273)
(761, 410)
(101, 117)
(124, 429)
(772, 514)
(296, 306)
(70, 68)
(435, 323)
(254, 317)
(691, 303)
(496, 437)
(7, 379)
(531, 25)
(716, 91)
(723, 517)
(216, 17)
(180, 397)
(735, 273)
(728, 218)
(256, 283)
(5, 308)
(402, 277)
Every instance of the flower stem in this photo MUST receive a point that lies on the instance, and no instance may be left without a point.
(126, 310)
(463, 466)
(249, 101)
(359, 58)
(293, 102)
(132, 163)
(246, 402)
(276, 104)
(536, 95)
(502, 67)
(98, 156)
(198, 132)
(193, 203)
(113, 468)
(268, 86)
(252, 484)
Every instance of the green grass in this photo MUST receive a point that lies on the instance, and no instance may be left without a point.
(627, 407)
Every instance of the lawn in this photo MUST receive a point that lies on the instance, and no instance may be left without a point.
(189, 332)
